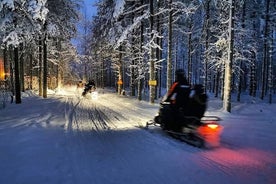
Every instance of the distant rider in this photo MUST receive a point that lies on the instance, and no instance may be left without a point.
(90, 85)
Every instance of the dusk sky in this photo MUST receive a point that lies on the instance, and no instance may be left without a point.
(89, 7)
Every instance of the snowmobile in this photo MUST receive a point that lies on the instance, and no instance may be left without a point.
(89, 91)
(204, 132)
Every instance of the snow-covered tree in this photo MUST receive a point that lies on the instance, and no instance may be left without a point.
(31, 23)
(138, 39)
(20, 20)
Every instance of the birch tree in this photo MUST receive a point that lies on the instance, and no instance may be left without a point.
(169, 59)
(229, 62)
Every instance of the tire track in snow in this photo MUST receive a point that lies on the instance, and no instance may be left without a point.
(89, 125)
(70, 113)
(129, 119)
(78, 136)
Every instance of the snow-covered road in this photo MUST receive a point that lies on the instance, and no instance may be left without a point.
(67, 139)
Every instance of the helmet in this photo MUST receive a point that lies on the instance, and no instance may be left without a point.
(179, 72)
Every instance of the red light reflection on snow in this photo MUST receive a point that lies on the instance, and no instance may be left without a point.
(245, 164)
(240, 157)
(211, 134)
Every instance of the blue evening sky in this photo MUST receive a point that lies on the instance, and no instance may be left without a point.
(89, 7)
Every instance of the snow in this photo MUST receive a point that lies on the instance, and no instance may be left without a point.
(68, 139)
(8, 3)
(119, 8)
(38, 10)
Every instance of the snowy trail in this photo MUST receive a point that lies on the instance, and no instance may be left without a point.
(93, 128)
(67, 139)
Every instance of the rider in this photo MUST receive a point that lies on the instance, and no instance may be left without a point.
(89, 87)
(198, 101)
(179, 92)
(178, 96)
(90, 84)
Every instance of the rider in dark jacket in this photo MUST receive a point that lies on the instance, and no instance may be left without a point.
(179, 92)
(178, 96)
(89, 87)
(90, 84)
(198, 102)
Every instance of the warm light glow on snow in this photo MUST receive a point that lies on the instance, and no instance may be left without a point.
(94, 95)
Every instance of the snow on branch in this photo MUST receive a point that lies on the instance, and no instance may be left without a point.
(134, 10)
(119, 8)
(151, 43)
(8, 3)
(38, 10)
(131, 27)
(184, 8)
(12, 39)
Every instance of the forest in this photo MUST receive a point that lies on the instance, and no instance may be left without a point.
(136, 46)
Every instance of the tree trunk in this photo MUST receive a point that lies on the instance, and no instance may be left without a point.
(217, 83)
(253, 83)
(40, 76)
(265, 54)
(152, 59)
(169, 60)
(31, 72)
(158, 55)
(5, 64)
(133, 53)
(140, 83)
(8, 78)
(120, 72)
(240, 63)
(17, 77)
(12, 87)
(270, 72)
(189, 72)
(228, 64)
(21, 68)
(207, 32)
(45, 67)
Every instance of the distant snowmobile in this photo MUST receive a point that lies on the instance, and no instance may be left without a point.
(89, 90)
(204, 132)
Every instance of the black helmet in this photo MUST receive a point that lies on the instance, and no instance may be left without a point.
(179, 72)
